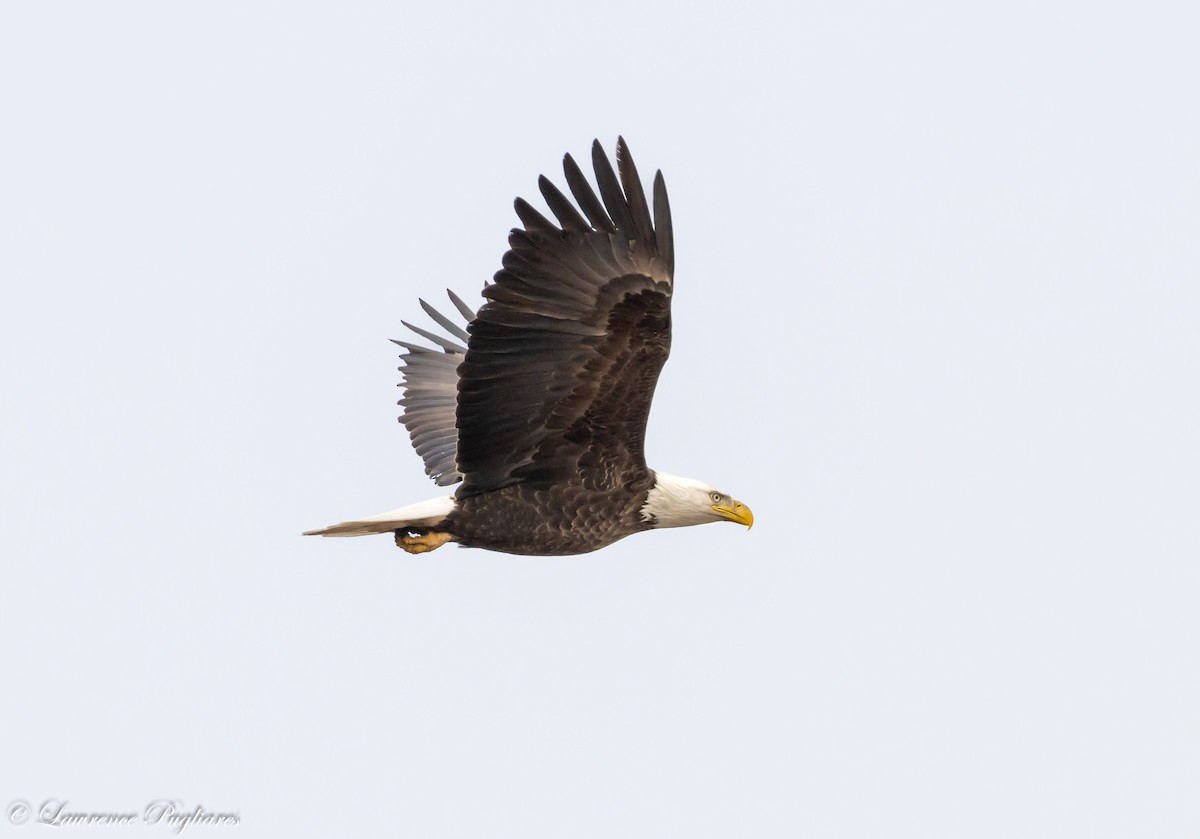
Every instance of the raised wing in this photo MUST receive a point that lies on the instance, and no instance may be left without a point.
(563, 359)
(431, 391)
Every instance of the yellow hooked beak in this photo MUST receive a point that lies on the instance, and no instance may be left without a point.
(736, 512)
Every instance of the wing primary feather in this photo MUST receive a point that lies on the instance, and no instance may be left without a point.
(610, 191)
(444, 343)
(586, 196)
(531, 218)
(563, 209)
(466, 311)
(413, 348)
(663, 233)
(643, 228)
(445, 322)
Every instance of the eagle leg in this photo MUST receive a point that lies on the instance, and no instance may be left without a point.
(422, 543)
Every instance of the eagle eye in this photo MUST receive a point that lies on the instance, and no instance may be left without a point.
(715, 496)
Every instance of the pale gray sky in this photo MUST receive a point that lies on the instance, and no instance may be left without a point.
(938, 288)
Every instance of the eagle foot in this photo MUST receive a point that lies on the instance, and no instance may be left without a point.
(422, 543)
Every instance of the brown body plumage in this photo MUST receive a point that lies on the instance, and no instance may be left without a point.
(548, 521)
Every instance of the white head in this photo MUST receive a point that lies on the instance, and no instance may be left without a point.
(679, 502)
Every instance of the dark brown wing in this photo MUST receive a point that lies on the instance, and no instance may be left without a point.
(563, 358)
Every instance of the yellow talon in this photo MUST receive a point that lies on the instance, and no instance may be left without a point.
(422, 544)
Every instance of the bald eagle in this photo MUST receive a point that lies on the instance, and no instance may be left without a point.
(537, 409)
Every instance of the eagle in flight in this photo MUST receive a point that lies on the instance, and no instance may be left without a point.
(537, 408)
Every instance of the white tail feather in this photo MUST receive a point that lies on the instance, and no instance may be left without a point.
(422, 514)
